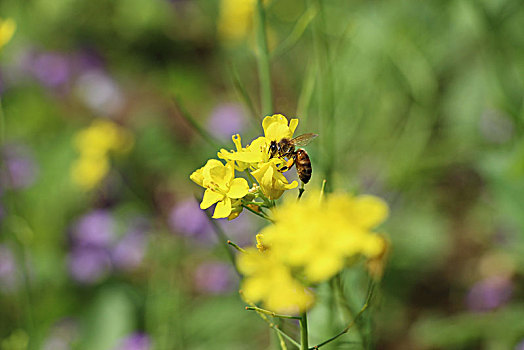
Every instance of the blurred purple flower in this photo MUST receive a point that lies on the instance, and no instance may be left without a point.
(89, 264)
(520, 346)
(187, 218)
(129, 252)
(214, 278)
(52, 69)
(240, 230)
(21, 170)
(99, 92)
(226, 120)
(135, 341)
(7, 269)
(489, 294)
(96, 228)
(87, 59)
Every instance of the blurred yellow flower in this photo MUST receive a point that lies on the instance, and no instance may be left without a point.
(271, 180)
(221, 186)
(321, 236)
(267, 280)
(7, 30)
(87, 172)
(94, 144)
(236, 19)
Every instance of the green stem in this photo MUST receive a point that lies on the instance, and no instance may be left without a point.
(352, 323)
(264, 71)
(303, 332)
(236, 246)
(257, 213)
(271, 313)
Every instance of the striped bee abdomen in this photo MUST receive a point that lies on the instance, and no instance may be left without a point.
(303, 164)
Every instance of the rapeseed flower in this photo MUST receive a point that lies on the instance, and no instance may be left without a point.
(221, 187)
(94, 144)
(7, 30)
(267, 280)
(321, 237)
(271, 180)
(236, 19)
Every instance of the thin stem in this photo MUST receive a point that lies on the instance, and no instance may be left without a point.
(303, 332)
(250, 176)
(264, 72)
(271, 313)
(352, 323)
(194, 123)
(236, 246)
(257, 213)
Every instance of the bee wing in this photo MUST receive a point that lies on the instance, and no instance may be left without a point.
(303, 140)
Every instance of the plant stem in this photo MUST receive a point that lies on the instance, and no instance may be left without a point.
(264, 72)
(271, 313)
(257, 213)
(303, 332)
(352, 323)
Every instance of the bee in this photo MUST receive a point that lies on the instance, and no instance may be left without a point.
(285, 148)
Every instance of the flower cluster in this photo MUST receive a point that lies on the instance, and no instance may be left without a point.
(94, 144)
(309, 242)
(231, 193)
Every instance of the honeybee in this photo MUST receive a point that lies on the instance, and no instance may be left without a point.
(285, 148)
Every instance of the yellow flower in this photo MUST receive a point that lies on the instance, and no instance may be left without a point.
(321, 237)
(271, 180)
(243, 158)
(93, 144)
(276, 127)
(7, 30)
(87, 171)
(266, 279)
(235, 20)
(102, 136)
(221, 187)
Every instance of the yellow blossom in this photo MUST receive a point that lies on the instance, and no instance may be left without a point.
(102, 136)
(235, 19)
(87, 172)
(267, 280)
(94, 144)
(7, 30)
(271, 180)
(321, 237)
(276, 127)
(243, 158)
(221, 187)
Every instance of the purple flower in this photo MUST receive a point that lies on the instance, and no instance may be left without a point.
(89, 264)
(226, 120)
(135, 341)
(188, 219)
(7, 269)
(489, 294)
(520, 346)
(51, 69)
(129, 252)
(214, 278)
(99, 92)
(20, 169)
(97, 228)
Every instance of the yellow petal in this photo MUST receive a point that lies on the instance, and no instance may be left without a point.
(223, 209)
(210, 198)
(197, 177)
(7, 30)
(238, 189)
(293, 123)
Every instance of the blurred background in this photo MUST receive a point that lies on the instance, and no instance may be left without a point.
(108, 106)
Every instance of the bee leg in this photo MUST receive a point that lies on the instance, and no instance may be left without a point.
(289, 164)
